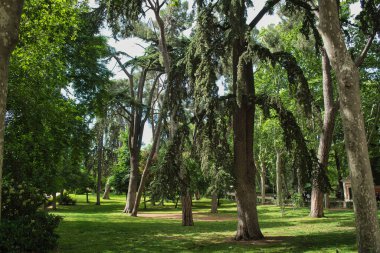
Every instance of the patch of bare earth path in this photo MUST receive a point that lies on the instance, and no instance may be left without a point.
(198, 216)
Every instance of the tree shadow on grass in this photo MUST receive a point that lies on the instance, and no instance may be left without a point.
(141, 235)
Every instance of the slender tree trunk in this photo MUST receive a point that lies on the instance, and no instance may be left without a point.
(340, 177)
(263, 176)
(316, 210)
(214, 202)
(133, 182)
(10, 15)
(107, 190)
(187, 213)
(279, 178)
(100, 163)
(367, 223)
(54, 200)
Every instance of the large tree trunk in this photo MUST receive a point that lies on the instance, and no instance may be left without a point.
(263, 176)
(279, 178)
(316, 210)
(107, 189)
(367, 223)
(214, 202)
(100, 164)
(187, 213)
(244, 168)
(10, 15)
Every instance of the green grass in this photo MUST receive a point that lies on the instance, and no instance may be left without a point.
(91, 228)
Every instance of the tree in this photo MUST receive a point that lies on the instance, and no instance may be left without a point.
(10, 12)
(368, 233)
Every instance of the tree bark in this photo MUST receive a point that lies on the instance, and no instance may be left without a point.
(279, 178)
(214, 202)
(133, 181)
(367, 223)
(244, 168)
(263, 176)
(187, 213)
(10, 16)
(107, 189)
(316, 210)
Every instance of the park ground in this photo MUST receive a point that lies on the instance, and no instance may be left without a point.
(89, 228)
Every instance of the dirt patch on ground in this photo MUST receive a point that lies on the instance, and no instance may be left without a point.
(196, 216)
(266, 241)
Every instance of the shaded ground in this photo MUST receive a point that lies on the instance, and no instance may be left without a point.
(198, 216)
(90, 228)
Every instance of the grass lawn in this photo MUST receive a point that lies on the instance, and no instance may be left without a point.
(91, 228)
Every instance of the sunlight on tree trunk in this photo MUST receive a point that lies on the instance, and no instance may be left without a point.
(367, 224)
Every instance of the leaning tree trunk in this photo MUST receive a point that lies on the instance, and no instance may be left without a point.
(279, 178)
(316, 210)
(214, 202)
(367, 223)
(10, 15)
(263, 176)
(107, 189)
(340, 177)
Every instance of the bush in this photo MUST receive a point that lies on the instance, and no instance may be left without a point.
(66, 200)
(20, 199)
(29, 233)
(297, 200)
(23, 228)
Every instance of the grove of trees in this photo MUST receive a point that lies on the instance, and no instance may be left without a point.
(265, 115)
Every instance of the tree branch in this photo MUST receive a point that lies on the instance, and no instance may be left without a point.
(267, 7)
(359, 61)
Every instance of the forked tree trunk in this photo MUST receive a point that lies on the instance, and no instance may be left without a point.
(10, 15)
(279, 178)
(316, 210)
(214, 202)
(367, 223)
(187, 213)
(107, 189)
(263, 176)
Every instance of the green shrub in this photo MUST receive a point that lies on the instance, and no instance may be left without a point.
(23, 228)
(29, 233)
(20, 199)
(66, 200)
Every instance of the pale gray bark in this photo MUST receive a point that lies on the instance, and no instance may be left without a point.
(107, 189)
(279, 178)
(367, 224)
(263, 175)
(10, 15)
(326, 137)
